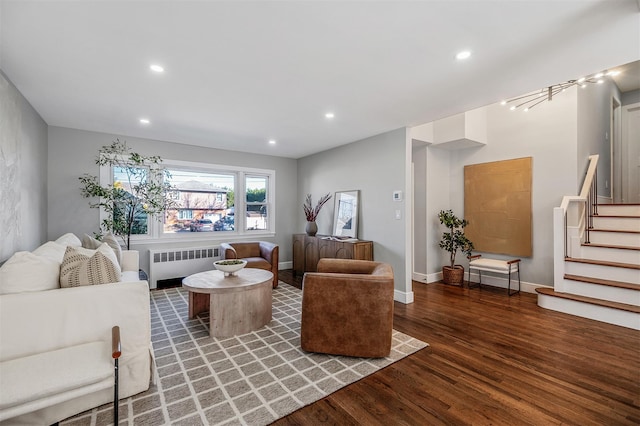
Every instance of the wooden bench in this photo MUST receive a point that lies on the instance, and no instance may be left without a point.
(505, 267)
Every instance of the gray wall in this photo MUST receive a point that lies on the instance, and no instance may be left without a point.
(23, 173)
(594, 131)
(419, 236)
(376, 167)
(547, 133)
(72, 153)
(632, 97)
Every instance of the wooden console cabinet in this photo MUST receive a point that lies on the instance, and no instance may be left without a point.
(308, 250)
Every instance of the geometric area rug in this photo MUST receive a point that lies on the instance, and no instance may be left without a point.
(250, 379)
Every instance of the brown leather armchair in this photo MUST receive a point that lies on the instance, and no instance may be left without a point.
(347, 308)
(258, 254)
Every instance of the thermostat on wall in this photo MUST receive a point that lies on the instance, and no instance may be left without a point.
(397, 195)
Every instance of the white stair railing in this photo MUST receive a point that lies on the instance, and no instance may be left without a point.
(571, 222)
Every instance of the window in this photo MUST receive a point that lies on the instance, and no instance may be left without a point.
(205, 202)
(128, 181)
(256, 202)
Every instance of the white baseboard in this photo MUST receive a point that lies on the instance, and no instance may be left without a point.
(405, 297)
(494, 281)
(426, 278)
(285, 265)
(501, 282)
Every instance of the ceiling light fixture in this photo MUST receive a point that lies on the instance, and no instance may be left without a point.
(463, 55)
(530, 100)
(144, 121)
(272, 142)
(329, 115)
(156, 68)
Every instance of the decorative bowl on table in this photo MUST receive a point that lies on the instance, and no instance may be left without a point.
(230, 266)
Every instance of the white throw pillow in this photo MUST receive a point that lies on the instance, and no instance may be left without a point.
(25, 271)
(110, 239)
(69, 239)
(51, 250)
(88, 267)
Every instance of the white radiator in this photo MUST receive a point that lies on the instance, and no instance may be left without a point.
(177, 263)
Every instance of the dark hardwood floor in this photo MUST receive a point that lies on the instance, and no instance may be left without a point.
(493, 360)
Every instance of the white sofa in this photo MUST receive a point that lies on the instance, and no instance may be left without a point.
(55, 345)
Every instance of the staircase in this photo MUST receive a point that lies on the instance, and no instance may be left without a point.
(596, 262)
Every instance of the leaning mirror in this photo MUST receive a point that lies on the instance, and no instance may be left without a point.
(345, 214)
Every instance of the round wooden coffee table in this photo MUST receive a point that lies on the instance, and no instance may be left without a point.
(237, 303)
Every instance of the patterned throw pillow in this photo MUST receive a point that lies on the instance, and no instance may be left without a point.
(79, 269)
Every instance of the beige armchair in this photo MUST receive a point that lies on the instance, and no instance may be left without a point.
(259, 254)
(347, 308)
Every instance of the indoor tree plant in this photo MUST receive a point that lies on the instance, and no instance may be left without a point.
(311, 213)
(141, 190)
(453, 240)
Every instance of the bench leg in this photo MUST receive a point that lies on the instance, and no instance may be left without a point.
(469, 281)
(509, 285)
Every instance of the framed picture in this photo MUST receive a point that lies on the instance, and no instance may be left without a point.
(345, 214)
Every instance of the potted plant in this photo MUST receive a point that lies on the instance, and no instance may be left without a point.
(452, 241)
(311, 213)
(142, 191)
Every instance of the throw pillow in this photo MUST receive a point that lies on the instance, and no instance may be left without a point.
(91, 243)
(112, 241)
(25, 271)
(51, 250)
(80, 269)
(69, 239)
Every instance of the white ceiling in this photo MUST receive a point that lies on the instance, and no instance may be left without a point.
(239, 73)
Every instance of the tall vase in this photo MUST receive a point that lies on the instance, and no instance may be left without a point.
(311, 229)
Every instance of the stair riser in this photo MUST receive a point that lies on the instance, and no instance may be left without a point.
(625, 275)
(627, 210)
(615, 238)
(603, 292)
(610, 254)
(586, 310)
(616, 223)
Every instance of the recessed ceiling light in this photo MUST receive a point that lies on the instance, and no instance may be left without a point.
(272, 141)
(329, 115)
(144, 121)
(503, 103)
(156, 68)
(463, 55)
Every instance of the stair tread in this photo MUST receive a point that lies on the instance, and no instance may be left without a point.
(602, 262)
(617, 216)
(613, 246)
(622, 231)
(601, 281)
(591, 300)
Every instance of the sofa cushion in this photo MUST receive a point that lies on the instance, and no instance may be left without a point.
(69, 239)
(25, 271)
(31, 381)
(87, 267)
(51, 250)
(92, 243)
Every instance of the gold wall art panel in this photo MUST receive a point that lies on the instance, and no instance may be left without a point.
(497, 204)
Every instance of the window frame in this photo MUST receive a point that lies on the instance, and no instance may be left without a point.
(155, 226)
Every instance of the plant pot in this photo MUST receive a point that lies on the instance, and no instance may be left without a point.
(311, 229)
(453, 276)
